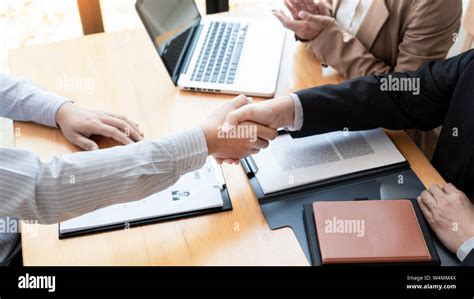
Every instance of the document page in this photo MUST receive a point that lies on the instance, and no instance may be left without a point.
(196, 191)
(289, 162)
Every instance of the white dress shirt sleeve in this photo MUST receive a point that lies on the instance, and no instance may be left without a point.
(23, 101)
(73, 185)
(299, 114)
(465, 249)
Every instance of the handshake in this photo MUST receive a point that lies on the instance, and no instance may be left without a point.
(241, 128)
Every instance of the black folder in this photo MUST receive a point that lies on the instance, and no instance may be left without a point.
(284, 209)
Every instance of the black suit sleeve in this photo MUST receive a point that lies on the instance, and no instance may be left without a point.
(469, 260)
(360, 104)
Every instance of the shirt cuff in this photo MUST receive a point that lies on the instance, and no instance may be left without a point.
(51, 103)
(465, 249)
(299, 114)
(190, 150)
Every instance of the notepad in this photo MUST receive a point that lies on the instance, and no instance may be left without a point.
(290, 163)
(369, 232)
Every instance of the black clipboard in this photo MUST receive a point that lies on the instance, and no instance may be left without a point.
(312, 234)
(227, 206)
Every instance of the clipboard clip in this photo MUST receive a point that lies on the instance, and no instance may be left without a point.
(217, 176)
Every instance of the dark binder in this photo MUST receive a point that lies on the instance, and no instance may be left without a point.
(284, 209)
(312, 235)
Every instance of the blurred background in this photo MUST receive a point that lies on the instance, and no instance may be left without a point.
(32, 22)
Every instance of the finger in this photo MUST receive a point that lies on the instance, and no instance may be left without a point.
(306, 5)
(294, 26)
(124, 126)
(130, 122)
(252, 152)
(310, 6)
(428, 200)
(266, 133)
(296, 5)
(240, 101)
(219, 161)
(231, 161)
(322, 9)
(260, 144)
(292, 10)
(112, 132)
(426, 211)
(236, 117)
(437, 192)
(450, 189)
(84, 143)
(281, 16)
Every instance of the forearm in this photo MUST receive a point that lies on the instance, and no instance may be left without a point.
(24, 101)
(72, 185)
(362, 104)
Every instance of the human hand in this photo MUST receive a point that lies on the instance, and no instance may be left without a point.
(450, 214)
(245, 138)
(297, 6)
(275, 114)
(306, 24)
(78, 125)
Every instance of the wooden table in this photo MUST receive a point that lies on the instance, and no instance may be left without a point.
(128, 78)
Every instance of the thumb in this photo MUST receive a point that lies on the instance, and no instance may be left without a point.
(304, 15)
(84, 143)
(236, 117)
(240, 101)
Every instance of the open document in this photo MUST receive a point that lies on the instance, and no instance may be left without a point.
(290, 163)
(194, 192)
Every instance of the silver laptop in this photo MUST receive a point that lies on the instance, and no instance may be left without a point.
(214, 53)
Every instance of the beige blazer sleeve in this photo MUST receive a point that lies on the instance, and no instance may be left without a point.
(426, 34)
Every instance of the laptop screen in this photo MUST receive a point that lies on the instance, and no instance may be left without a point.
(170, 24)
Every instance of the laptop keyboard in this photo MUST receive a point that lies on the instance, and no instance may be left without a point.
(172, 52)
(219, 58)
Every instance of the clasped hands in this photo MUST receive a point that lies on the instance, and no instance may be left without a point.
(308, 18)
(241, 128)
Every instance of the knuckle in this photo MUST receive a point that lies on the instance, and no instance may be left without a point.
(458, 197)
(116, 132)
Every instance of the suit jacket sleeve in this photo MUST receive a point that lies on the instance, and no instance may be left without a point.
(429, 30)
(469, 261)
(361, 104)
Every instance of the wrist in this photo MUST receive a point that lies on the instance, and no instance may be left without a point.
(61, 114)
(284, 110)
(209, 135)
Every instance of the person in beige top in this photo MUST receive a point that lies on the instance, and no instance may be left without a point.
(376, 37)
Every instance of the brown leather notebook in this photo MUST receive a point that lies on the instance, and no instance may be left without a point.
(369, 232)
